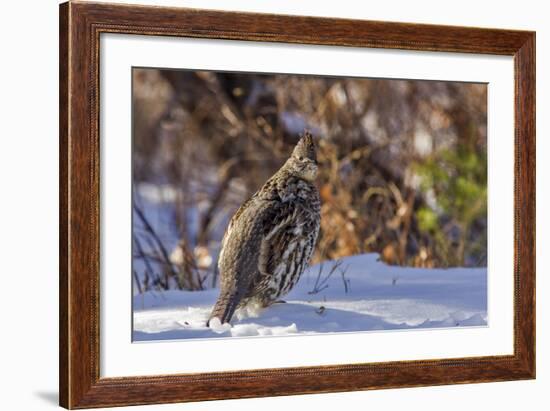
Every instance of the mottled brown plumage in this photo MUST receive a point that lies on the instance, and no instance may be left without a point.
(271, 237)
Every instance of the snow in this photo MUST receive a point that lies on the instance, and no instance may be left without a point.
(361, 294)
(217, 326)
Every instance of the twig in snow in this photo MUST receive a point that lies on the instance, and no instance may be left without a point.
(138, 284)
(346, 281)
(157, 240)
(322, 283)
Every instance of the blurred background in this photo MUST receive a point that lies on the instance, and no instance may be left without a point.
(403, 167)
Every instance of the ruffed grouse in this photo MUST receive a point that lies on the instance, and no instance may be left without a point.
(270, 239)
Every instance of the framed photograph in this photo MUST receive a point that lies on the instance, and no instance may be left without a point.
(260, 205)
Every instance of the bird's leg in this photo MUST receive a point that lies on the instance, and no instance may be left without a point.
(225, 306)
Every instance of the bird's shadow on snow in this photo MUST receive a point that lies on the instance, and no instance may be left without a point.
(282, 319)
(317, 318)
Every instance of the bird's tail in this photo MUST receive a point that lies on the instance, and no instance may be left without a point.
(225, 307)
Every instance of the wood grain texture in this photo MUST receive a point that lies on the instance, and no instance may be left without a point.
(524, 177)
(80, 27)
(63, 204)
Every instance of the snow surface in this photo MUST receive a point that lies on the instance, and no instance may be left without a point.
(362, 294)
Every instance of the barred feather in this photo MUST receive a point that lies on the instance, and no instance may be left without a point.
(270, 239)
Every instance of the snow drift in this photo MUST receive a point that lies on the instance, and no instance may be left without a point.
(357, 293)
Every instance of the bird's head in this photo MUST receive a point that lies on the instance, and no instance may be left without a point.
(303, 161)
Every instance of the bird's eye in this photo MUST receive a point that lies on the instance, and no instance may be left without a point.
(301, 158)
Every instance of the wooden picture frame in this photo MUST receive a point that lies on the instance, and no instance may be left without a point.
(80, 27)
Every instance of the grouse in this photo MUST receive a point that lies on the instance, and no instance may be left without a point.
(270, 239)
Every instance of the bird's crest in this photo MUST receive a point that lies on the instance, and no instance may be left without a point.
(305, 147)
